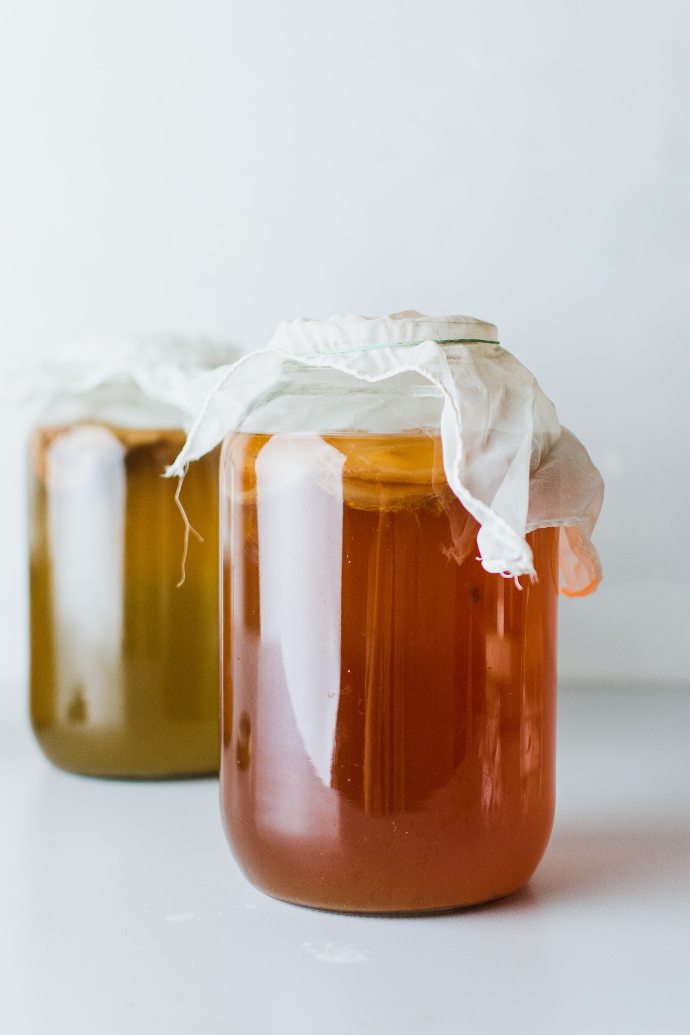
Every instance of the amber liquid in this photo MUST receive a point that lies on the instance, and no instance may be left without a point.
(124, 665)
(388, 706)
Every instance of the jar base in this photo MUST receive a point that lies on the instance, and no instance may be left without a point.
(114, 757)
(431, 910)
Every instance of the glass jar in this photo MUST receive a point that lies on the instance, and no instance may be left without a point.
(123, 660)
(388, 706)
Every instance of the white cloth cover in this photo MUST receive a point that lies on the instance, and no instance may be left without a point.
(171, 369)
(505, 455)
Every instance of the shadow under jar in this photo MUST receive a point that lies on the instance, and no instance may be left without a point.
(388, 706)
(124, 663)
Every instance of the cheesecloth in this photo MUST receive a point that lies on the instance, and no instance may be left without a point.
(171, 370)
(505, 455)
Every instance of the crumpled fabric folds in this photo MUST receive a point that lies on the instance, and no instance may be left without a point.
(170, 369)
(505, 455)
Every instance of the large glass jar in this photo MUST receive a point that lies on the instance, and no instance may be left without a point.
(124, 661)
(388, 705)
(399, 508)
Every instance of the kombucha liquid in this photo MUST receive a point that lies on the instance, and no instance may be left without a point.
(124, 665)
(388, 706)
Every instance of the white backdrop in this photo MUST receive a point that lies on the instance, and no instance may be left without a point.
(215, 165)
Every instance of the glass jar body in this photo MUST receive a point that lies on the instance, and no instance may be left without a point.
(124, 663)
(388, 706)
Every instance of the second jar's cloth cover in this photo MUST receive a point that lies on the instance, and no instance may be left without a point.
(173, 370)
(505, 455)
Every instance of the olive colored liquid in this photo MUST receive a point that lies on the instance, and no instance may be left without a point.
(388, 706)
(124, 665)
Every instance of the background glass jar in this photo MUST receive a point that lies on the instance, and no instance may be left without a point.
(388, 706)
(124, 662)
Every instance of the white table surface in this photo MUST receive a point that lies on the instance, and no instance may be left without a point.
(122, 911)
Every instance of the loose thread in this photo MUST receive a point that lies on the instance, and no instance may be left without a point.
(188, 527)
(507, 575)
(531, 575)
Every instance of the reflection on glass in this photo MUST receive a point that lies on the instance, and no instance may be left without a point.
(86, 512)
(300, 530)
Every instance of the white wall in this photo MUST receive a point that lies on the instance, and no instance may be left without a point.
(216, 165)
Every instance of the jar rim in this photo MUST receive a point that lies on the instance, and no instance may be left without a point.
(348, 331)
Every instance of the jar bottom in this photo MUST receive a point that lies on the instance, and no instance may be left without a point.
(163, 755)
(403, 890)
(431, 910)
